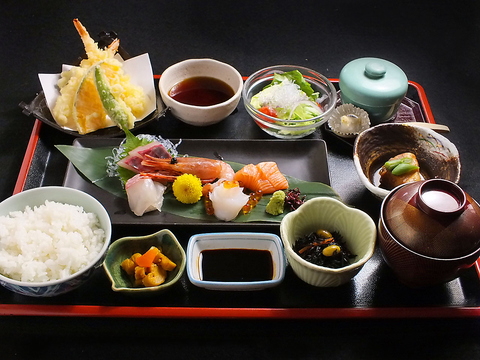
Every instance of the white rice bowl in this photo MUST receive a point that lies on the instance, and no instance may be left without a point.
(47, 245)
(48, 242)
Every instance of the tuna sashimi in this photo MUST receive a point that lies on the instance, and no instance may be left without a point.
(133, 161)
(264, 176)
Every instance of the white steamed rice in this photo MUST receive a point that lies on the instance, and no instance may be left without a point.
(50, 242)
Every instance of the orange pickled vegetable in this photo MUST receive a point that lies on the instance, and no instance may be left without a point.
(149, 269)
(146, 259)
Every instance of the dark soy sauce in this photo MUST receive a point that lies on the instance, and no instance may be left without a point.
(201, 91)
(236, 265)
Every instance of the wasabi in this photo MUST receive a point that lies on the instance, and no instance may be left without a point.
(276, 204)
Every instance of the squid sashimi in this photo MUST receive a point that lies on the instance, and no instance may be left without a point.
(264, 177)
(144, 194)
(227, 200)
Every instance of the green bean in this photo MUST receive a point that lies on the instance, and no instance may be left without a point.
(401, 169)
(110, 104)
(390, 165)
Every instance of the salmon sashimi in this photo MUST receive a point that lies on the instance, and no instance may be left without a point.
(264, 176)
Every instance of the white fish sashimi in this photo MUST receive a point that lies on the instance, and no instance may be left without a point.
(144, 194)
(227, 202)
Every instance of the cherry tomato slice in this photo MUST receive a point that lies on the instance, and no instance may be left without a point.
(267, 110)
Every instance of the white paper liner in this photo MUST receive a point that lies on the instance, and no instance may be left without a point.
(139, 68)
(356, 122)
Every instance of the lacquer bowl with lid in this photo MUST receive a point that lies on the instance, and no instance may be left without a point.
(429, 232)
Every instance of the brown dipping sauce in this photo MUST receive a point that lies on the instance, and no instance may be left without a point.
(201, 91)
(236, 265)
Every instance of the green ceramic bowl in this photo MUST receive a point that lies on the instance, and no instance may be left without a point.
(355, 226)
(124, 248)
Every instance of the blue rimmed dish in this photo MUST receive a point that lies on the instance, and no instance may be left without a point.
(231, 241)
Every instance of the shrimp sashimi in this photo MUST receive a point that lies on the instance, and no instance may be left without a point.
(167, 170)
(264, 176)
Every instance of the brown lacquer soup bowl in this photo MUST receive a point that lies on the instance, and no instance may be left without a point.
(429, 232)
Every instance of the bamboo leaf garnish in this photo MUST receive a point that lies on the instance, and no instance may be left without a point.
(92, 164)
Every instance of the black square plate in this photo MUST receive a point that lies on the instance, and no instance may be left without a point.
(305, 159)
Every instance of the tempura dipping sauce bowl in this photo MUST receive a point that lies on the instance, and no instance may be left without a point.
(429, 232)
(223, 75)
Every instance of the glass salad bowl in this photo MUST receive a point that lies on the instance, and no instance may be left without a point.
(286, 113)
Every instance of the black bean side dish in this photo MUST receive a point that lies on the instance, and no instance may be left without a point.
(324, 249)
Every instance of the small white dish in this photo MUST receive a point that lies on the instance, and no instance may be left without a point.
(234, 241)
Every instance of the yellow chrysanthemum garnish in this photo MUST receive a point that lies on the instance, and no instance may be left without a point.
(187, 188)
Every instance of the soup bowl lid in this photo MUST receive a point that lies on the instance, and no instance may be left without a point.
(433, 217)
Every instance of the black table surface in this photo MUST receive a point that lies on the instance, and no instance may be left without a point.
(435, 43)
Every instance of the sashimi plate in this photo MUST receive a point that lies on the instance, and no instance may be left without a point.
(305, 159)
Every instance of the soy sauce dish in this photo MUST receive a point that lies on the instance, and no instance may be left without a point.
(235, 261)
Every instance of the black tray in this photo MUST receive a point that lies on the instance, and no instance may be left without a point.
(373, 293)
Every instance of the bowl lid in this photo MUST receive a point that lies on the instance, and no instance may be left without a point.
(433, 217)
(372, 81)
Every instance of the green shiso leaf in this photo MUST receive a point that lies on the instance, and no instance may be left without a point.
(92, 163)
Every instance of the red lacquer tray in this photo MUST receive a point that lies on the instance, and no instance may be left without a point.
(373, 293)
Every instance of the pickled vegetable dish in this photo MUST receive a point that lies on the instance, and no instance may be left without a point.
(324, 249)
(149, 269)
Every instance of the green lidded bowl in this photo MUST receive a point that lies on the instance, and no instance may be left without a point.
(375, 85)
